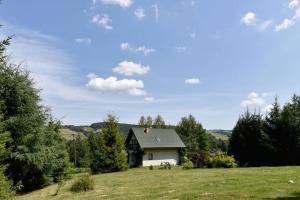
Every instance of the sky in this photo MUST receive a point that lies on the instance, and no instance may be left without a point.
(209, 58)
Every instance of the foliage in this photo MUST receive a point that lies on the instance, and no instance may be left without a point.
(109, 150)
(220, 160)
(35, 136)
(187, 164)
(82, 148)
(159, 122)
(83, 184)
(248, 143)
(215, 144)
(192, 134)
(151, 167)
(199, 159)
(165, 165)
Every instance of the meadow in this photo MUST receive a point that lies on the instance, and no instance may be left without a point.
(142, 183)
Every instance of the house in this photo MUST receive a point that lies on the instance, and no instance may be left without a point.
(153, 146)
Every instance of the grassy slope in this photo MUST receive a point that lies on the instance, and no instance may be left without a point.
(142, 183)
(68, 134)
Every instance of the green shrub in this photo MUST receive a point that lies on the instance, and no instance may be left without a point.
(221, 160)
(5, 187)
(151, 167)
(187, 164)
(83, 183)
(165, 165)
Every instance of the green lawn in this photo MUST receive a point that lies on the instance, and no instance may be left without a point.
(142, 183)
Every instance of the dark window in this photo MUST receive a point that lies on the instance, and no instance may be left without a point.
(150, 156)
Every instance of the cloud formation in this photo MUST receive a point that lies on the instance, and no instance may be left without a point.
(149, 99)
(103, 21)
(293, 4)
(253, 99)
(129, 68)
(126, 46)
(112, 84)
(250, 19)
(192, 81)
(156, 12)
(122, 3)
(139, 13)
(83, 40)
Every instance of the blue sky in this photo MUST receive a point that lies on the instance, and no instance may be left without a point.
(209, 58)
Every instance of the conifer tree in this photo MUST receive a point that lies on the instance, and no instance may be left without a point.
(143, 122)
(159, 122)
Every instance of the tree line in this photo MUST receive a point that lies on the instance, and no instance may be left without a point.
(273, 139)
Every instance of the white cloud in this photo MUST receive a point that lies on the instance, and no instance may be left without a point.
(103, 21)
(181, 49)
(130, 68)
(287, 23)
(83, 40)
(149, 99)
(126, 46)
(249, 19)
(268, 108)
(156, 11)
(253, 99)
(112, 84)
(139, 13)
(122, 3)
(293, 4)
(192, 81)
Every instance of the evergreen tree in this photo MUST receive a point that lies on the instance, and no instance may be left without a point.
(82, 148)
(159, 122)
(35, 135)
(248, 143)
(112, 155)
(192, 134)
(143, 122)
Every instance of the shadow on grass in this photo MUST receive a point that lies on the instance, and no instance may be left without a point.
(294, 196)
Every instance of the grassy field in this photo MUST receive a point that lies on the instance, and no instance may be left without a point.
(142, 183)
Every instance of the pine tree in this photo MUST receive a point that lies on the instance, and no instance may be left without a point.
(112, 155)
(149, 122)
(159, 122)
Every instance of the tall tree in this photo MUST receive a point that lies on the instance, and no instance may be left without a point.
(112, 155)
(248, 143)
(35, 135)
(149, 122)
(159, 122)
(192, 134)
(143, 122)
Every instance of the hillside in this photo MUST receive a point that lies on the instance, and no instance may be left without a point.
(219, 184)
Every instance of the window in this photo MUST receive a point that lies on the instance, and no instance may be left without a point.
(150, 156)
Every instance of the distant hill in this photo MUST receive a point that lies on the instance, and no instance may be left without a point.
(124, 127)
(68, 133)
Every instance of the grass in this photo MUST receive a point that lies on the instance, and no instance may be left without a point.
(68, 134)
(219, 136)
(240, 183)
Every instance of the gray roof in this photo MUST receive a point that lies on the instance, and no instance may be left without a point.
(157, 138)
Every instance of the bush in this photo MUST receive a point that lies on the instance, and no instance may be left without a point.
(187, 164)
(5, 187)
(199, 159)
(165, 165)
(151, 167)
(83, 183)
(221, 160)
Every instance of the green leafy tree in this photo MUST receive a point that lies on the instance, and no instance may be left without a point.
(159, 122)
(111, 156)
(192, 134)
(149, 122)
(35, 135)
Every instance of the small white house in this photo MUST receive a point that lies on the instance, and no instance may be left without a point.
(153, 146)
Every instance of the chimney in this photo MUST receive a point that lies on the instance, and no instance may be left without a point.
(146, 130)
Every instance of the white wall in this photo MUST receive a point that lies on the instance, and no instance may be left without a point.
(160, 155)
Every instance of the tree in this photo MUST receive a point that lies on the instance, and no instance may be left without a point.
(143, 122)
(82, 149)
(192, 134)
(159, 122)
(111, 156)
(35, 134)
(248, 143)
(149, 122)
(5, 186)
